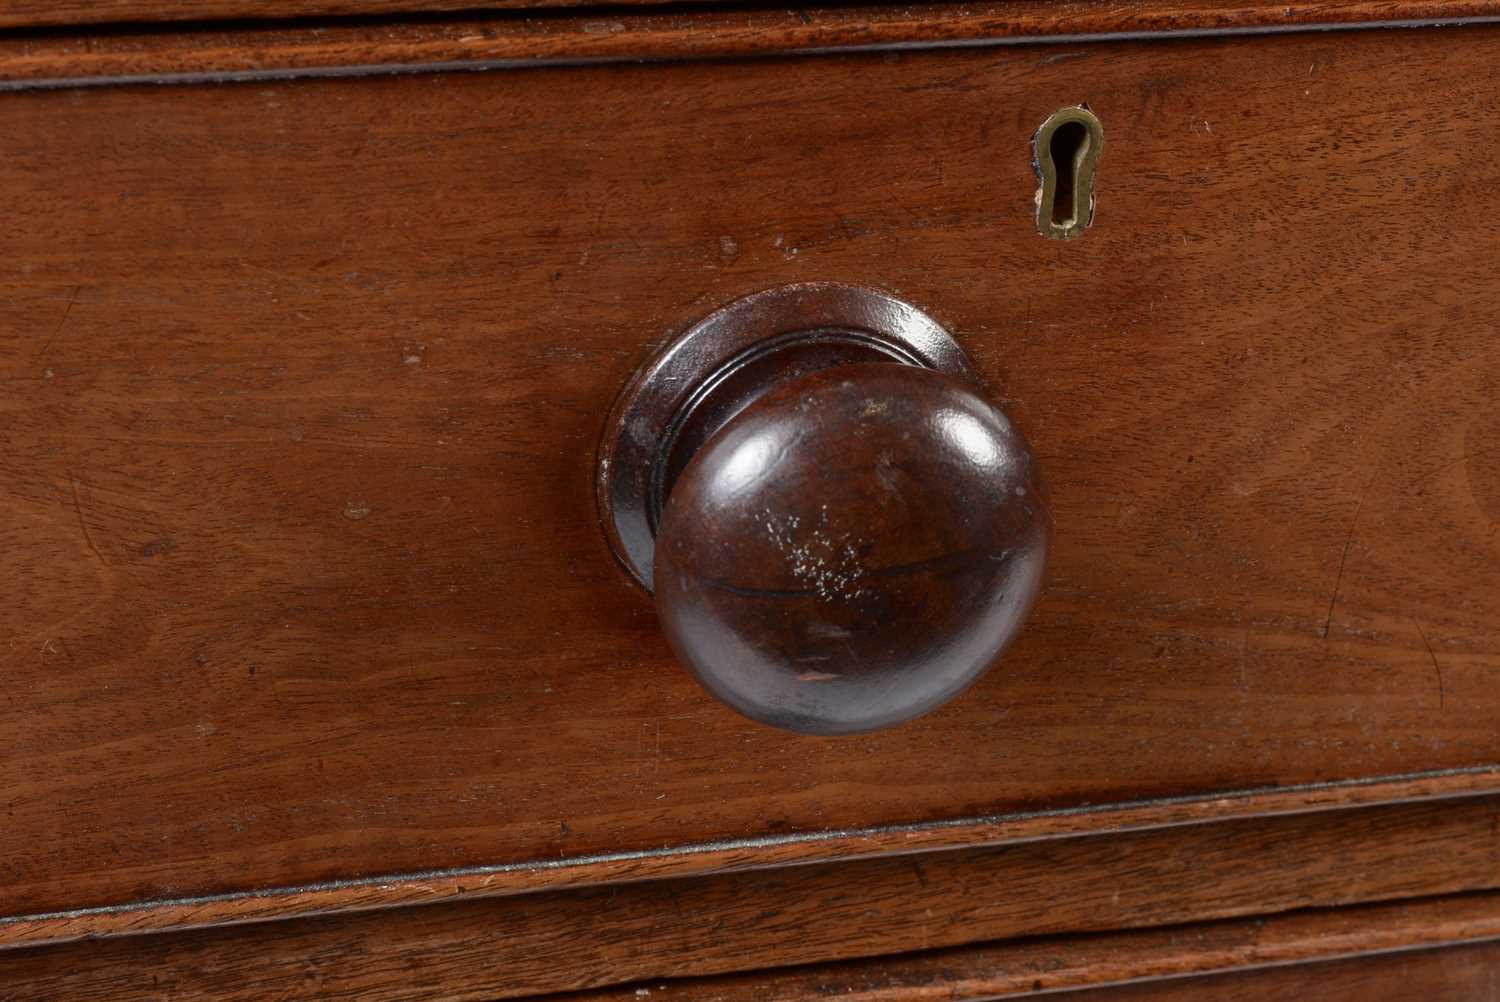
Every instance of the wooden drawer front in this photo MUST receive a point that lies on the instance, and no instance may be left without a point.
(304, 381)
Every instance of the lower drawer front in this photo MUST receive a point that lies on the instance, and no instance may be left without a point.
(304, 382)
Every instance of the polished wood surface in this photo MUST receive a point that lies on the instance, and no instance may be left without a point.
(305, 381)
(274, 51)
(635, 935)
(1179, 14)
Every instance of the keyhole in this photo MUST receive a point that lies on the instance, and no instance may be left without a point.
(1070, 143)
(1067, 153)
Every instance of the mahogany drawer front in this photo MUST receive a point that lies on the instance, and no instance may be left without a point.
(305, 380)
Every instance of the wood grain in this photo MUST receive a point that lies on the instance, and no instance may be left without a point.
(304, 382)
(199, 53)
(1026, 967)
(635, 935)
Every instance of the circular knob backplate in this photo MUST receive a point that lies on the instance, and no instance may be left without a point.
(841, 532)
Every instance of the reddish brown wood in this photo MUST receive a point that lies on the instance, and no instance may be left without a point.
(1174, 961)
(799, 915)
(304, 381)
(501, 40)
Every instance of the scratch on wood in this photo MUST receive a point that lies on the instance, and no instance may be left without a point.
(72, 298)
(1242, 681)
(82, 524)
(1442, 690)
(1338, 580)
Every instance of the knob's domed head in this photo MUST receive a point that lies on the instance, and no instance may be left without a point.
(852, 549)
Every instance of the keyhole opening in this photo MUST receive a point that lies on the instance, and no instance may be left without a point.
(1066, 153)
(1070, 143)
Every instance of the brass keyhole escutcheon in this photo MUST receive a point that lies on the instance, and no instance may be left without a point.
(1066, 155)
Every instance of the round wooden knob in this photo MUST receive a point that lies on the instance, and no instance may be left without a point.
(843, 538)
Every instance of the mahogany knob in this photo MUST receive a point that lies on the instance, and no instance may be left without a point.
(844, 538)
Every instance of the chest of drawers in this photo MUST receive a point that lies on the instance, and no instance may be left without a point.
(322, 679)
